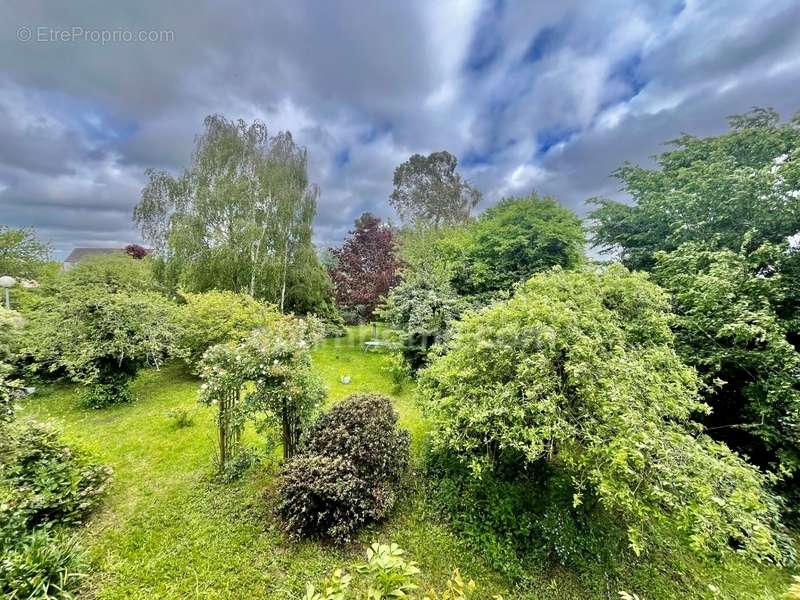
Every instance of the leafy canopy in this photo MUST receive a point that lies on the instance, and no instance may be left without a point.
(21, 253)
(733, 191)
(429, 191)
(239, 218)
(513, 240)
(577, 372)
(365, 267)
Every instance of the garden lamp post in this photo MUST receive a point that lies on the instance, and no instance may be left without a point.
(7, 282)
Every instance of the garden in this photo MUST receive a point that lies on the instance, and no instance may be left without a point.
(455, 406)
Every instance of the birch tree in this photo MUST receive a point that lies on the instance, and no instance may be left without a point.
(239, 218)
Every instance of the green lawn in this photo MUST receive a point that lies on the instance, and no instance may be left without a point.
(166, 531)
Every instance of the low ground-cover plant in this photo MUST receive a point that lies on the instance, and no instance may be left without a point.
(387, 574)
(348, 473)
(577, 373)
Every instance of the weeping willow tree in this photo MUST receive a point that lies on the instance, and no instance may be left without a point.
(239, 218)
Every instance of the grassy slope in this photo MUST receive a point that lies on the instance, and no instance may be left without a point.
(166, 532)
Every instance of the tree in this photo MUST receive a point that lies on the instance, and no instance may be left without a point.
(726, 328)
(577, 375)
(428, 189)
(365, 268)
(239, 218)
(715, 224)
(136, 251)
(735, 191)
(513, 240)
(21, 253)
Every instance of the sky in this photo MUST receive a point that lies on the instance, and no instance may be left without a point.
(530, 95)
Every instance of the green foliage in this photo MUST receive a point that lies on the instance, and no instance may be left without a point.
(349, 471)
(239, 218)
(180, 418)
(727, 329)
(276, 360)
(513, 240)
(422, 308)
(52, 483)
(216, 318)
(113, 273)
(21, 253)
(45, 487)
(41, 564)
(794, 590)
(731, 190)
(713, 223)
(100, 338)
(10, 326)
(516, 519)
(577, 373)
(429, 191)
(387, 574)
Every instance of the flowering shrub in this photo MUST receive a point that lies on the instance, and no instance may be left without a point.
(276, 359)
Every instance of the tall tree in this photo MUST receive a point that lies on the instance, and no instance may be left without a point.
(428, 189)
(513, 240)
(21, 253)
(716, 223)
(365, 267)
(239, 218)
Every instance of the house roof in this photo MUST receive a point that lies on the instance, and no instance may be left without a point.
(79, 254)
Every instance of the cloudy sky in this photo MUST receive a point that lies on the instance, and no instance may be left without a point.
(530, 95)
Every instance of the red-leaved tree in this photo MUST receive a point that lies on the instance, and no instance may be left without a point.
(136, 251)
(365, 268)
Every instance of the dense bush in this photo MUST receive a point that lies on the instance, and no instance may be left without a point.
(348, 473)
(577, 373)
(363, 430)
(323, 497)
(511, 241)
(100, 338)
(45, 487)
(51, 483)
(217, 317)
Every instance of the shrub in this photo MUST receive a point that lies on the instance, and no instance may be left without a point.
(422, 308)
(50, 482)
(100, 337)
(180, 418)
(363, 430)
(216, 318)
(577, 373)
(323, 497)
(348, 473)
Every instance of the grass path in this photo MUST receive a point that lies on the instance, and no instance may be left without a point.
(167, 532)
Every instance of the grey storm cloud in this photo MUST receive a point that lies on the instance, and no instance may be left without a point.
(542, 96)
